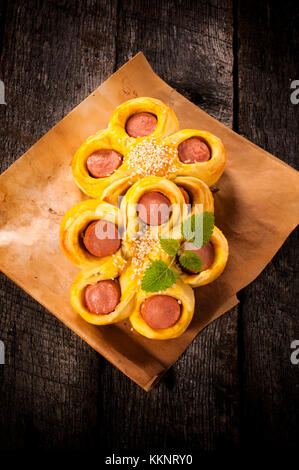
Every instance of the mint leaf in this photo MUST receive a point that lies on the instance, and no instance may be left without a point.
(170, 245)
(158, 277)
(198, 228)
(191, 261)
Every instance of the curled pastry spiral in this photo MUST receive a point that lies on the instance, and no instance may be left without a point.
(107, 271)
(150, 163)
(74, 224)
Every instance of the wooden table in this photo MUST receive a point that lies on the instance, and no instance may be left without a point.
(235, 385)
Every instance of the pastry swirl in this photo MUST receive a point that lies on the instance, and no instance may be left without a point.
(208, 171)
(76, 220)
(90, 185)
(221, 251)
(115, 138)
(201, 196)
(167, 122)
(179, 291)
(141, 157)
(131, 200)
(110, 270)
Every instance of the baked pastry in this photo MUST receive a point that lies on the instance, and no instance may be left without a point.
(90, 169)
(163, 315)
(200, 154)
(215, 265)
(101, 295)
(114, 154)
(90, 232)
(138, 255)
(158, 193)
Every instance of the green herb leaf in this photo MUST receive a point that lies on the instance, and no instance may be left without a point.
(170, 245)
(158, 277)
(191, 261)
(198, 228)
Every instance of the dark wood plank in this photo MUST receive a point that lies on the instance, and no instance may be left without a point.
(196, 406)
(197, 403)
(54, 54)
(189, 44)
(267, 63)
(50, 370)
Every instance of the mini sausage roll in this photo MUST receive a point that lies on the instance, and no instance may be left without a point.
(136, 212)
(163, 318)
(90, 232)
(214, 268)
(98, 163)
(121, 300)
(160, 178)
(207, 162)
(141, 117)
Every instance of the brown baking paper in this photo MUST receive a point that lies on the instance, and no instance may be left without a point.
(256, 207)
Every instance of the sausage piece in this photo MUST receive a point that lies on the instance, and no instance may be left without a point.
(141, 124)
(206, 253)
(154, 208)
(160, 311)
(103, 162)
(193, 150)
(101, 238)
(185, 194)
(103, 297)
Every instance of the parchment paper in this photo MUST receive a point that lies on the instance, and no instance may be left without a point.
(256, 207)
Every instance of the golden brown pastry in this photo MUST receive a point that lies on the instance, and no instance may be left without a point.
(147, 178)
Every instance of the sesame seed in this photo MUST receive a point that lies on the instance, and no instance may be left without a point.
(140, 249)
(152, 158)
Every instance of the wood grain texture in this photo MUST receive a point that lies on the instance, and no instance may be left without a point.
(267, 63)
(235, 382)
(193, 408)
(189, 44)
(196, 404)
(53, 56)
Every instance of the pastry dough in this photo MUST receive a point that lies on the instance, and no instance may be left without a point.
(220, 246)
(116, 138)
(149, 164)
(201, 196)
(167, 122)
(209, 171)
(129, 209)
(75, 222)
(109, 270)
(114, 193)
(95, 186)
(180, 291)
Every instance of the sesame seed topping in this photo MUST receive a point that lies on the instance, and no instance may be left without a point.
(152, 158)
(118, 262)
(140, 248)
